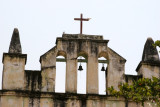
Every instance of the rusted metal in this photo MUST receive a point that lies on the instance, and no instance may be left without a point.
(81, 19)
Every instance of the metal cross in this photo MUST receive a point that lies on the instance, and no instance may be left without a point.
(81, 19)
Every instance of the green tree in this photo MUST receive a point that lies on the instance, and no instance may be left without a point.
(157, 43)
(144, 89)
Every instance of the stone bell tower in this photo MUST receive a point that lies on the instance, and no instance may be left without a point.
(36, 88)
(13, 65)
(92, 47)
(150, 64)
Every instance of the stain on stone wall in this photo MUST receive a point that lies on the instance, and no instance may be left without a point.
(34, 80)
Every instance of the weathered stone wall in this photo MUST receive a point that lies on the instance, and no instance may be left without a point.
(131, 78)
(48, 67)
(116, 71)
(13, 71)
(149, 70)
(37, 99)
(33, 80)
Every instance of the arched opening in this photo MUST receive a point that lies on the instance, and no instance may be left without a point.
(60, 72)
(102, 71)
(81, 73)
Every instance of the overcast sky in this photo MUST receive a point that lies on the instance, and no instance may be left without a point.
(125, 23)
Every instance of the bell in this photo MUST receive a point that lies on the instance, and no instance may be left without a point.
(80, 68)
(103, 69)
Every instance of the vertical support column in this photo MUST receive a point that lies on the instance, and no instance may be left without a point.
(71, 75)
(92, 75)
(115, 72)
(48, 79)
(48, 67)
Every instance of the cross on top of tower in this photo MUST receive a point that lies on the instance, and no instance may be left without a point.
(81, 19)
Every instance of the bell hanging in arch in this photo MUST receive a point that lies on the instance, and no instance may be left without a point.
(103, 68)
(80, 68)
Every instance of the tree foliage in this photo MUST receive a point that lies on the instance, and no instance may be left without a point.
(144, 89)
(157, 43)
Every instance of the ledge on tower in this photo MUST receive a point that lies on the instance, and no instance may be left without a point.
(82, 36)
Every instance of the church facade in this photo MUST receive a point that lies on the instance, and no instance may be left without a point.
(36, 88)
